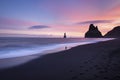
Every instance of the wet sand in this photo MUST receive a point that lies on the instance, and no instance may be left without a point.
(98, 61)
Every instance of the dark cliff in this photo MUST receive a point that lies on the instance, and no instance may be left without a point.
(93, 32)
(114, 33)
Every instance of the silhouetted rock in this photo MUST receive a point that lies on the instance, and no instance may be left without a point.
(114, 33)
(65, 35)
(93, 32)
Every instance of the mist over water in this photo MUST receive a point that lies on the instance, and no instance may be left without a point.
(17, 47)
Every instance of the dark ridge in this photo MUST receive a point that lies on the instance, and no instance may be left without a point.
(114, 33)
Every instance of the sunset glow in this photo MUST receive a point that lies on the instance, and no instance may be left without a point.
(51, 18)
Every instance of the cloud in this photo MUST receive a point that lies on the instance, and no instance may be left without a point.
(95, 22)
(38, 27)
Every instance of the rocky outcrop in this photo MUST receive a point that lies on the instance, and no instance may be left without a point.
(114, 33)
(65, 36)
(93, 32)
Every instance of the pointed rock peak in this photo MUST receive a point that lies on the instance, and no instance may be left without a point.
(91, 27)
(96, 27)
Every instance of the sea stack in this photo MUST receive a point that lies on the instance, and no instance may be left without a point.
(93, 32)
(114, 33)
(64, 35)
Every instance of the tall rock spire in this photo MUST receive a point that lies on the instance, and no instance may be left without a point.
(64, 35)
(93, 32)
(91, 27)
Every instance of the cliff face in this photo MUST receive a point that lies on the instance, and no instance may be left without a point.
(114, 33)
(93, 32)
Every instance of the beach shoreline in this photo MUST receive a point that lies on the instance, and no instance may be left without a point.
(8, 62)
(98, 61)
(18, 47)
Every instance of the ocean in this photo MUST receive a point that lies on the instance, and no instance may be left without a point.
(11, 47)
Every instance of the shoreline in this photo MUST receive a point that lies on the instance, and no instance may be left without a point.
(53, 48)
(16, 61)
(96, 61)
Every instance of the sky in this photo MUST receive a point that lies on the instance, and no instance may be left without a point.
(52, 18)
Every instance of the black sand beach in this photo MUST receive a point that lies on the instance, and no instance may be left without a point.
(98, 61)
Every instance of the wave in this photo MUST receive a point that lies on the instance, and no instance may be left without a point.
(18, 50)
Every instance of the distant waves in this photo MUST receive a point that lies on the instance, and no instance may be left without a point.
(18, 47)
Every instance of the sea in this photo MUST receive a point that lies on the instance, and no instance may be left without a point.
(11, 47)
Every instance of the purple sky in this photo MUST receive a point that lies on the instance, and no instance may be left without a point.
(54, 17)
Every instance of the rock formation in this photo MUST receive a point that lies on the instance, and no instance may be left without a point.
(64, 35)
(93, 32)
(114, 33)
